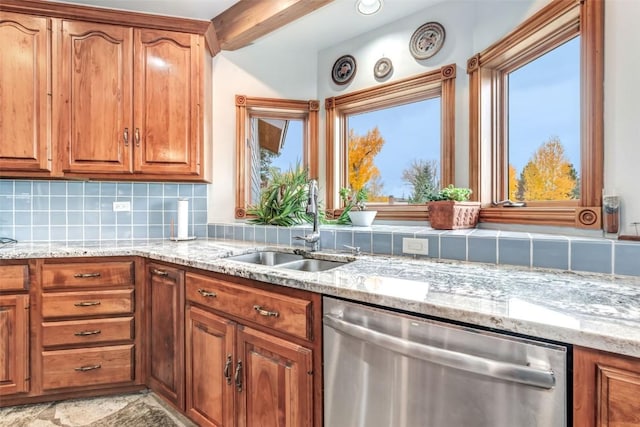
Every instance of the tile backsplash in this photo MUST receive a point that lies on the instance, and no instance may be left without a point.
(42, 211)
(597, 255)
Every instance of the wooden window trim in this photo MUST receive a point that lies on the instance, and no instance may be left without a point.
(440, 82)
(551, 26)
(246, 108)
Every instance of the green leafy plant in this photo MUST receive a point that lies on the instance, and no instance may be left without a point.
(458, 194)
(352, 200)
(283, 202)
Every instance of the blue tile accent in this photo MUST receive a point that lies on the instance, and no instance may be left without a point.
(107, 189)
(453, 247)
(23, 187)
(171, 190)
(200, 190)
(238, 232)
(551, 254)
(140, 189)
(22, 202)
(58, 188)
(249, 232)
(185, 190)
(482, 249)
(284, 236)
(363, 239)
(271, 235)
(382, 243)
(58, 203)
(591, 255)
(92, 189)
(228, 232)
(397, 243)
(514, 251)
(58, 218)
(299, 232)
(261, 234)
(327, 238)
(627, 256)
(344, 237)
(41, 188)
(6, 187)
(124, 189)
(156, 190)
(75, 188)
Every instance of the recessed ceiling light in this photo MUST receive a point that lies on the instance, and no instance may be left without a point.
(368, 7)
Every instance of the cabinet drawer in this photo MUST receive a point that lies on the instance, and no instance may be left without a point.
(277, 311)
(14, 277)
(77, 304)
(87, 331)
(87, 274)
(87, 366)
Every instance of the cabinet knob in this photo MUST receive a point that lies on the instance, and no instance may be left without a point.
(86, 303)
(264, 312)
(87, 368)
(137, 136)
(206, 293)
(238, 376)
(86, 275)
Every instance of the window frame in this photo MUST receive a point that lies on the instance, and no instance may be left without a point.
(250, 107)
(553, 25)
(439, 82)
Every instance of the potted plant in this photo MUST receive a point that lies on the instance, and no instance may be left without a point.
(355, 207)
(449, 209)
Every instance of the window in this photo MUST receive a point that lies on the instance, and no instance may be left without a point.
(396, 139)
(536, 115)
(272, 133)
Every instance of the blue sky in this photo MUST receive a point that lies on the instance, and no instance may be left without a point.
(292, 148)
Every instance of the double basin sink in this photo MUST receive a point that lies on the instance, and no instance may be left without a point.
(286, 260)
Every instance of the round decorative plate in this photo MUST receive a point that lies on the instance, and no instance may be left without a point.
(427, 40)
(344, 69)
(382, 68)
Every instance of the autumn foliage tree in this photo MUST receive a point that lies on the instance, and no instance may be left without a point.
(362, 151)
(548, 175)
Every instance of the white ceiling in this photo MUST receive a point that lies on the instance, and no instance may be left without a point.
(325, 27)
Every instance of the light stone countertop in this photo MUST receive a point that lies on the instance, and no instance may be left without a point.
(591, 310)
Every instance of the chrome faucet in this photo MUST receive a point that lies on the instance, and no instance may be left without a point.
(312, 209)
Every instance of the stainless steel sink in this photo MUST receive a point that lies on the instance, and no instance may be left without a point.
(266, 257)
(312, 265)
(288, 260)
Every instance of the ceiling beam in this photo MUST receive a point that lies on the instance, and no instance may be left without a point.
(248, 20)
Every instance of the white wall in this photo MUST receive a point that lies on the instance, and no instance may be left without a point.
(254, 72)
(621, 108)
(470, 26)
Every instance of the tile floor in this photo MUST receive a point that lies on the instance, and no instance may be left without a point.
(140, 409)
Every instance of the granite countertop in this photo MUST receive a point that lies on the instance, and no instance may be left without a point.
(591, 310)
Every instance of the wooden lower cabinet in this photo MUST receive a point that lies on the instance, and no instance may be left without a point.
(242, 373)
(165, 332)
(14, 344)
(606, 389)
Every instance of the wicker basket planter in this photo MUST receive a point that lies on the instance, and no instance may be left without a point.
(450, 215)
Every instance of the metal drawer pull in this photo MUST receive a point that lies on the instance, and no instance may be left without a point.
(86, 303)
(86, 333)
(126, 137)
(88, 368)
(541, 378)
(206, 293)
(160, 272)
(137, 135)
(239, 376)
(264, 312)
(86, 275)
(227, 369)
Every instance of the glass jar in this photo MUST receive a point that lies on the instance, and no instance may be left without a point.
(611, 214)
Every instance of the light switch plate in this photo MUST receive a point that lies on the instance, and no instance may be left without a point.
(121, 206)
(415, 246)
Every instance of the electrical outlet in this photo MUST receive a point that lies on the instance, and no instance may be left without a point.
(121, 206)
(415, 246)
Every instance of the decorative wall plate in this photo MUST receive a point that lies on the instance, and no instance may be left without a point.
(427, 40)
(382, 68)
(344, 69)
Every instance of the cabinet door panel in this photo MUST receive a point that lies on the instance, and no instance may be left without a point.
(24, 87)
(209, 366)
(14, 344)
(277, 381)
(166, 97)
(165, 330)
(96, 88)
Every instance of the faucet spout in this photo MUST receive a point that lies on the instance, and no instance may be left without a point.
(312, 209)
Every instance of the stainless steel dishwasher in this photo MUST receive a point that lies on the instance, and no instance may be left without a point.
(385, 369)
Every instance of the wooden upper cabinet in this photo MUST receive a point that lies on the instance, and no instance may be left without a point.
(167, 91)
(25, 73)
(95, 84)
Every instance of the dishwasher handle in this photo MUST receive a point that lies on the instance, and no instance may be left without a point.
(467, 362)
